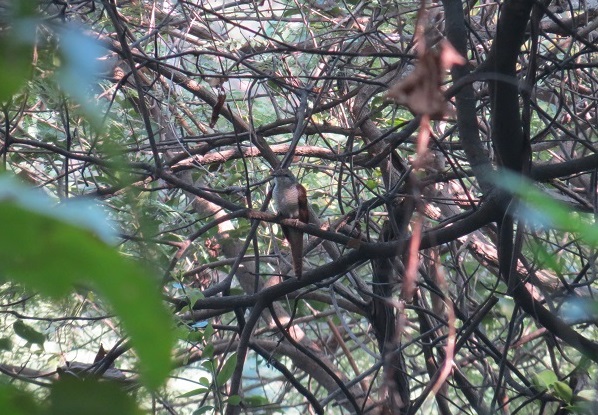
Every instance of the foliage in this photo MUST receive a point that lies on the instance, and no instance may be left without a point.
(60, 256)
(449, 259)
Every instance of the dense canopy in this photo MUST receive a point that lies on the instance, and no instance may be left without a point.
(447, 152)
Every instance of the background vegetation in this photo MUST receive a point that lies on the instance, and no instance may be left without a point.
(449, 263)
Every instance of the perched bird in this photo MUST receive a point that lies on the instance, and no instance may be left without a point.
(290, 200)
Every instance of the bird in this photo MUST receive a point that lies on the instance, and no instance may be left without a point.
(290, 200)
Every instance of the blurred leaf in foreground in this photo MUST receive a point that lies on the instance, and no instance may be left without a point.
(72, 396)
(40, 248)
(541, 210)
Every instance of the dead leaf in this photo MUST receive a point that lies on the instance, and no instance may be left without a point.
(100, 354)
(449, 55)
(354, 243)
(421, 90)
(217, 108)
(213, 247)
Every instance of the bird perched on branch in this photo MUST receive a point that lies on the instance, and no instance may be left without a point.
(290, 200)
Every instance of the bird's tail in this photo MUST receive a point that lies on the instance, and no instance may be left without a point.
(295, 239)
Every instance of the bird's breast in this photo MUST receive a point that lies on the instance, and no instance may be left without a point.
(286, 201)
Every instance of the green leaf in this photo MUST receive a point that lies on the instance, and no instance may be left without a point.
(208, 351)
(208, 365)
(506, 306)
(545, 211)
(208, 332)
(60, 255)
(16, 402)
(371, 184)
(80, 53)
(15, 65)
(24, 8)
(72, 396)
(198, 391)
(194, 336)
(203, 410)
(28, 333)
(193, 295)
(234, 400)
(588, 394)
(182, 332)
(546, 259)
(290, 12)
(563, 391)
(255, 401)
(16, 46)
(318, 305)
(582, 408)
(545, 379)
(236, 291)
(5, 343)
(227, 370)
